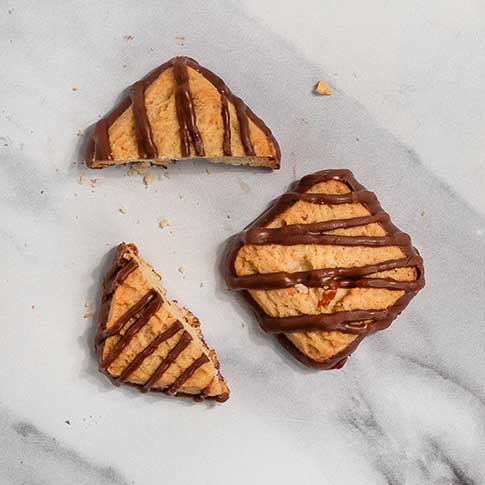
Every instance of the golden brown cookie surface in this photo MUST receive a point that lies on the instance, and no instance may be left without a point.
(150, 342)
(324, 267)
(181, 110)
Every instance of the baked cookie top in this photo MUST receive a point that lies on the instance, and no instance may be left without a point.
(181, 110)
(148, 341)
(323, 267)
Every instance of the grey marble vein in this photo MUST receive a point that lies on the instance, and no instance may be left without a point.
(32, 457)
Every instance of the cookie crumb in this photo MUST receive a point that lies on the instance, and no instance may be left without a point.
(92, 182)
(208, 171)
(201, 284)
(123, 210)
(148, 179)
(180, 40)
(88, 315)
(423, 213)
(74, 88)
(81, 180)
(79, 133)
(140, 168)
(68, 422)
(323, 88)
(164, 223)
(128, 37)
(182, 269)
(301, 288)
(33, 307)
(244, 186)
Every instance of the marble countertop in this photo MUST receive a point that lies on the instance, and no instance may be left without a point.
(406, 115)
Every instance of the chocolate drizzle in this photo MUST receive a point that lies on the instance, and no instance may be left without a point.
(182, 344)
(185, 109)
(100, 142)
(148, 350)
(148, 305)
(226, 123)
(98, 147)
(187, 373)
(330, 277)
(143, 132)
(118, 274)
(129, 324)
(357, 322)
(244, 126)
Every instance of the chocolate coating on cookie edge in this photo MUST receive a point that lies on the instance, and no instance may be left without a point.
(141, 312)
(358, 322)
(98, 146)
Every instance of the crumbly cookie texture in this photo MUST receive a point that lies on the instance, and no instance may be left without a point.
(199, 106)
(366, 293)
(323, 88)
(156, 346)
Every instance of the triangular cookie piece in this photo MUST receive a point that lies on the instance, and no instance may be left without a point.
(148, 341)
(324, 267)
(181, 110)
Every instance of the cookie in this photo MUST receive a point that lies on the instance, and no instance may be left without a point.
(324, 267)
(181, 110)
(146, 340)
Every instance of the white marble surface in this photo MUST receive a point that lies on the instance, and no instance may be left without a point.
(406, 115)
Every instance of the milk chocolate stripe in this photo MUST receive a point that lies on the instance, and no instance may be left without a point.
(363, 196)
(98, 147)
(149, 349)
(126, 317)
(226, 93)
(397, 239)
(360, 322)
(183, 130)
(264, 235)
(185, 109)
(149, 310)
(244, 126)
(300, 187)
(143, 132)
(179, 382)
(305, 233)
(329, 277)
(120, 264)
(182, 344)
(100, 144)
(119, 274)
(203, 394)
(226, 124)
